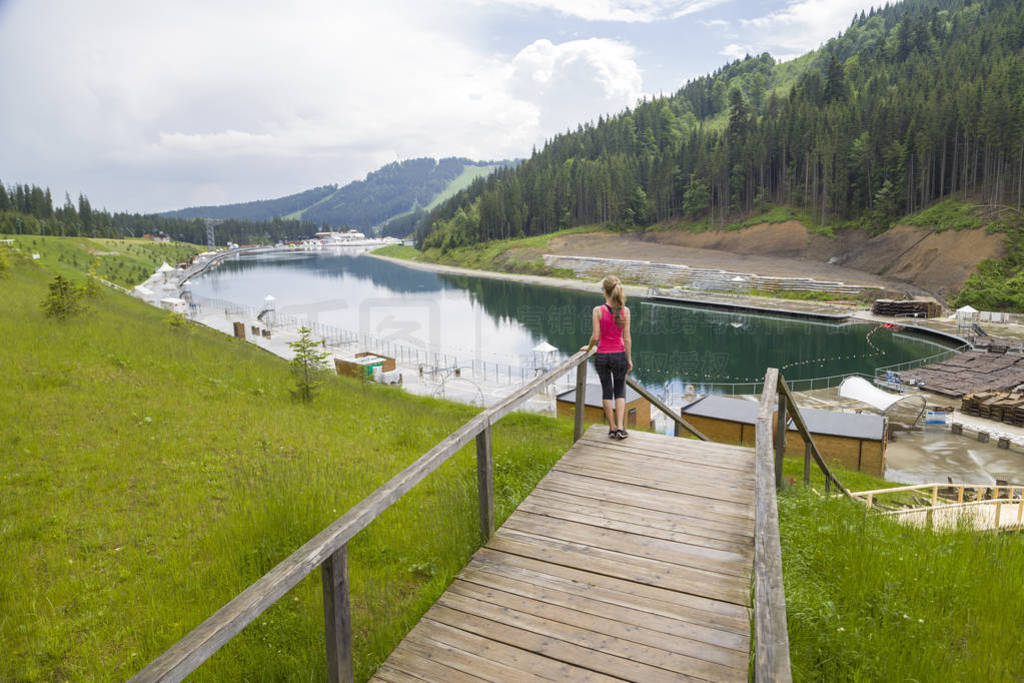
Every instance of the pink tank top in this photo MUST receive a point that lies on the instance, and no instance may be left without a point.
(611, 334)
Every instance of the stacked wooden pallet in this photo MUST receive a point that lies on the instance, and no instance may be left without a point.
(970, 372)
(1001, 406)
(919, 308)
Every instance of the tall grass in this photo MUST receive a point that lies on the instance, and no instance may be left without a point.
(869, 599)
(149, 472)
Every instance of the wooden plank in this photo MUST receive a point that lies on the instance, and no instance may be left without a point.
(596, 641)
(674, 552)
(693, 486)
(655, 472)
(427, 669)
(644, 497)
(537, 505)
(565, 610)
(695, 452)
(590, 655)
(725, 587)
(615, 590)
(702, 459)
(506, 655)
(467, 662)
(738, 531)
(708, 457)
(388, 675)
(582, 601)
(771, 649)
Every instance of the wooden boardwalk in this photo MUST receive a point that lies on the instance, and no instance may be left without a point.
(630, 560)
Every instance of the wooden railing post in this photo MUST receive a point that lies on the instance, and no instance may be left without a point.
(780, 439)
(581, 390)
(807, 464)
(485, 482)
(337, 617)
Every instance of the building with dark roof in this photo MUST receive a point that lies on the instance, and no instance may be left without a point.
(638, 408)
(857, 441)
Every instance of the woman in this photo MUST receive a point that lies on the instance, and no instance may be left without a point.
(614, 357)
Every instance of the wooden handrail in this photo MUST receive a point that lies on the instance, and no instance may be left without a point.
(327, 550)
(771, 639)
(805, 434)
(660, 405)
(944, 485)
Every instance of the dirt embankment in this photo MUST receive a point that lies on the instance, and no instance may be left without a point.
(904, 258)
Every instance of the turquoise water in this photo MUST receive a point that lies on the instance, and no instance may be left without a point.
(502, 321)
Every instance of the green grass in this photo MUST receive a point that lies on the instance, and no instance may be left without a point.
(459, 183)
(949, 214)
(149, 472)
(522, 255)
(868, 599)
(134, 261)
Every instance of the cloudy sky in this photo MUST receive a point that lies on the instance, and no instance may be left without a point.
(147, 106)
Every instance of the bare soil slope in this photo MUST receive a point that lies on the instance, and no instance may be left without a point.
(937, 261)
(905, 258)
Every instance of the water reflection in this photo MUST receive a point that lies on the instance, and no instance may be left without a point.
(501, 320)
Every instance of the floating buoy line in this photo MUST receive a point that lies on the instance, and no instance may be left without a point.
(875, 351)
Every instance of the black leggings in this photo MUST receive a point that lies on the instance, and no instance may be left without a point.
(611, 368)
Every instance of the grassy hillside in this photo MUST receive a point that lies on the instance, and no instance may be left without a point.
(125, 262)
(868, 599)
(150, 471)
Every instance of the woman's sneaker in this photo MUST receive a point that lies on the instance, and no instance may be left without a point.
(621, 434)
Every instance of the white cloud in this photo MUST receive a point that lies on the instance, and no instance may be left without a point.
(736, 51)
(575, 81)
(628, 11)
(155, 106)
(803, 25)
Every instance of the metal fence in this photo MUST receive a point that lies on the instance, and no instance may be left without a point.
(431, 361)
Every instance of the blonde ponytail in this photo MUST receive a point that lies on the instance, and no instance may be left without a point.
(612, 287)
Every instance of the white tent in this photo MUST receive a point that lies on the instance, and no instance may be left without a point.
(968, 311)
(863, 391)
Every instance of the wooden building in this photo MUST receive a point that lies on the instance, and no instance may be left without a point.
(638, 408)
(362, 364)
(857, 441)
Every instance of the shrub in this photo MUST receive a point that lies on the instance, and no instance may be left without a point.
(63, 300)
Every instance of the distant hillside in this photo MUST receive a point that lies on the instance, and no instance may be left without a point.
(918, 101)
(400, 189)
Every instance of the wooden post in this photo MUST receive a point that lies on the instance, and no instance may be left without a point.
(999, 509)
(337, 618)
(581, 390)
(935, 496)
(807, 463)
(780, 440)
(871, 499)
(485, 482)
(960, 495)
(1020, 511)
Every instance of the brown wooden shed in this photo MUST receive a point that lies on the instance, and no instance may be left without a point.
(362, 364)
(638, 408)
(857, 441)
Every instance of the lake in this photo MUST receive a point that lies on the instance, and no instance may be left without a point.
(501, 321)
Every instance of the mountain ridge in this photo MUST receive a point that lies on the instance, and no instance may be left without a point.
(390, 192)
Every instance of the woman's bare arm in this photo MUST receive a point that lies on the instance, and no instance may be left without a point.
(627, 339)
(595, 335)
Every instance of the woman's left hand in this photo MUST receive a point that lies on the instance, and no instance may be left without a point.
(629, 365)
